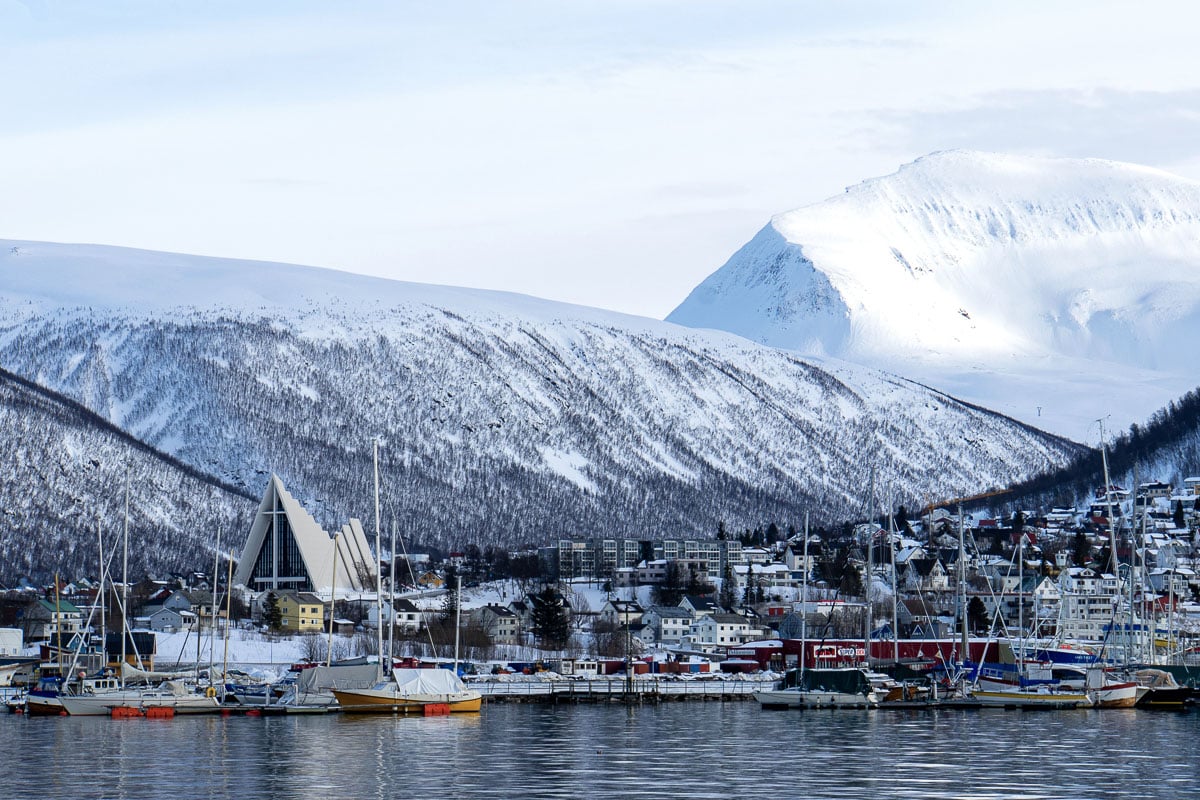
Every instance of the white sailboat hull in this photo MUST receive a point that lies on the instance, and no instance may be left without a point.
(1032, 699)
(98, 705)
(797, 697)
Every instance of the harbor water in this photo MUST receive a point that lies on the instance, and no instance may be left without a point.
(675, 750)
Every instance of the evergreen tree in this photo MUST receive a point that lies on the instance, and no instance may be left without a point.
(852, 583)
(772, 533)
(728, 596)
(450, 600)
(670, 591)
(1081, 550)
(751, 584)
(1179, 520)
(977, 615)
(723, 534)
(272, 615)
(550, 622)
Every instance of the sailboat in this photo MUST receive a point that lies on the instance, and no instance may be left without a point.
(806, 687)
(421, 691)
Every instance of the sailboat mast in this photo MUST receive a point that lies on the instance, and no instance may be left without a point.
(895, 601)
(1113, 561)
(378, 564)
(1170, 659)
(458, 618)
(964, 653)
(125, 579)
(1021, 599)
(332, 601)
(58, 623)
(804, 601)
(392, 594)
(212, 609)
(102, 596)
(867, 592)
(228, 612)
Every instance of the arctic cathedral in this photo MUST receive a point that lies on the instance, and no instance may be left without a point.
(288, 550)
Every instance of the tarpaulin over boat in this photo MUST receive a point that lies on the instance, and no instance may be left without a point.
(849, 681)
(427, 681)
(316, 679)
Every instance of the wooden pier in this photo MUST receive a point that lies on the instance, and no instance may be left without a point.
(616, 690)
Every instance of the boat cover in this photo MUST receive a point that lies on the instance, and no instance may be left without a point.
(427, 681)
(849, 681)
(316, 679)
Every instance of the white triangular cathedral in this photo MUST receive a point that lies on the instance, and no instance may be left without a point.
(287, 549)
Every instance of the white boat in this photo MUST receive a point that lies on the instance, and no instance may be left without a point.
(821, 688)
(1041, 696)
(170, 694)
(411, 691)
(1116, 695)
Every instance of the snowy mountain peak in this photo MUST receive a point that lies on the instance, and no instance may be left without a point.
(964, 266)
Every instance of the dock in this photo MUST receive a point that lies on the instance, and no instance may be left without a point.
(616, 690)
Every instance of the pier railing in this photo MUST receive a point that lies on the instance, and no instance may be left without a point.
(618, 687)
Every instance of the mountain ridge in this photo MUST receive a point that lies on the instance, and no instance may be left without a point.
(505, 419)
(968, 271)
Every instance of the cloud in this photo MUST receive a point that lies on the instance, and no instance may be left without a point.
(1144, 127)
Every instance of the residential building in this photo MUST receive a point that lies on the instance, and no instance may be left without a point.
(46, 620)
(1088, 599)
(670, 624)
(720, 630)
(404, 615)
(301, 612)
(621, 612)
(503, 626)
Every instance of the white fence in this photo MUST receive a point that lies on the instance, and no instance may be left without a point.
(617, 687)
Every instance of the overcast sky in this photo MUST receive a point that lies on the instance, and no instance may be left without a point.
(609, 153)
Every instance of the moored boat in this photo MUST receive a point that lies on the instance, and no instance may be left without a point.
(1042, 696)
(1115, 695)
(171, 694)
(821, 688)
(1159, 689)
(411, 691)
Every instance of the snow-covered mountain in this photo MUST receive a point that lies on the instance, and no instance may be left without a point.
(1057, 291)
(504, 418)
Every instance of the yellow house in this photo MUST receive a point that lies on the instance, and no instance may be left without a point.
(430, 580)
(301, 612)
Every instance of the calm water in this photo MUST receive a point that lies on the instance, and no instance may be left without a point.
(677, 750)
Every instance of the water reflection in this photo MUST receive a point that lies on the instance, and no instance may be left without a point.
(686, 750)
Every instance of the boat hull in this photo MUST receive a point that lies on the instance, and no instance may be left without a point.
(1171, 699)
(101, 705)
(1018, 699)
(1116, 695)
(387, 700)
(813, 698)
(42, 705)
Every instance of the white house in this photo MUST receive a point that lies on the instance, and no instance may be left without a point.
(670, 624)
(1088, 600)
(500, 622)
(403, 614)
(720, 630)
